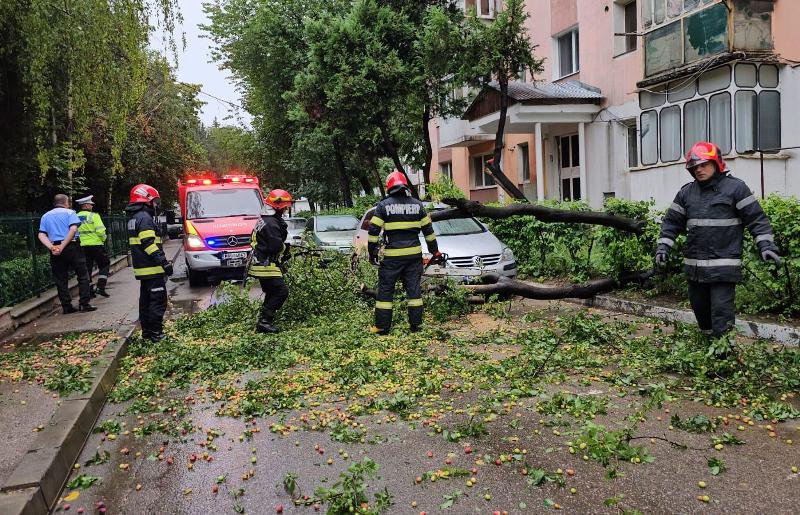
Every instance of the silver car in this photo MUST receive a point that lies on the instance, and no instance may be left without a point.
(295, 226)
(332, 232)
(471, 248)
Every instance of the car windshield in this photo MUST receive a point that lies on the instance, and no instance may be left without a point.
(296, 224)
(223, 202)
(457, 226)
(336, 223)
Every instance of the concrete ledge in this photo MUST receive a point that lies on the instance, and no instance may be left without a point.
(23, 502)
(779, 333)
(11, 318)
(35, 483)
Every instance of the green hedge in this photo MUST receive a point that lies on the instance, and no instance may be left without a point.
(579, 252)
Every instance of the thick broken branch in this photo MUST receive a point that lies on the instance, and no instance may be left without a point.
(466, 208)
(495, 284)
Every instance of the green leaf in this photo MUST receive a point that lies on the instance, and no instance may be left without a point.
(83, 481)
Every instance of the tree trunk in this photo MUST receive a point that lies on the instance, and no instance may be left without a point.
(365, 184)
(344, 179)
(495, 167)
(498, 284)
(391, 150)
(468, 208)
(426, 138)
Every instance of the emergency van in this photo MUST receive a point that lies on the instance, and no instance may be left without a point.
(219, 215)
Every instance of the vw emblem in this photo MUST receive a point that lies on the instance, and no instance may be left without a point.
(478, 261)
(232, 241)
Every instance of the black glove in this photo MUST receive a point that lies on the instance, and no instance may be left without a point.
(373, 259)
(168, 268)
(662, 253)
(768, 255)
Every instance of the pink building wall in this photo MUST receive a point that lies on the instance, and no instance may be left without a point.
(784, 28)
(615, 76)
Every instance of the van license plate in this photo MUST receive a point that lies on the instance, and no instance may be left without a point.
(234, 255)
(232, 263)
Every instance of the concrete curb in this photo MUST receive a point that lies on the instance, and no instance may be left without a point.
(35, 483)
(14, 317)
(751, 328)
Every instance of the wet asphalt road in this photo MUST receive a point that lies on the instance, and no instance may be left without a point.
(226, 465)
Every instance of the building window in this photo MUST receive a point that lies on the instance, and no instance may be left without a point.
(769, 121)
(481, 179)
(670, 134)
(569, 167)
(525, 162)
(633, 143)
(649, 137)
(719, 110)
(446, 170)
(625, 22)
(680, 33)
(568, 53)
(695, 123)
(715, 80)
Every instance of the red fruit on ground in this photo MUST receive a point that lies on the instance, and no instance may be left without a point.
(279, 508)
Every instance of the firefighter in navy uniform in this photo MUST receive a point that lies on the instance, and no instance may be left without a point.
(714, 209)
(269, 249)
(150, 265)
(401, 218)
(92, 233)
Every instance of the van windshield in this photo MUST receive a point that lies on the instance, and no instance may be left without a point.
(457, 226)
(222, 202)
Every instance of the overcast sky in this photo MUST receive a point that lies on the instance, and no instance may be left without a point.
(195, 66)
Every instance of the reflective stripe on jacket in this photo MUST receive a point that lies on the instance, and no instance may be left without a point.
(92, 231)
(714, 215)
(144, 238)
(401, 218)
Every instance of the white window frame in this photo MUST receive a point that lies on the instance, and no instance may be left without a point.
(575, 47)
(524, 163)
(446, 169)
(621, 42)
(481, 173)
(731, 89)
(487, 15)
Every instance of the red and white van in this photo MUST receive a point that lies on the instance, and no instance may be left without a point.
(219, 215)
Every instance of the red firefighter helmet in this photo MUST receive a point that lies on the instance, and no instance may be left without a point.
(395, 181)
(144, 193)
(279, 199)
(703, 152)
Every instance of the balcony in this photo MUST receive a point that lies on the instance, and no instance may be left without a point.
(455, 132)
(679, 35)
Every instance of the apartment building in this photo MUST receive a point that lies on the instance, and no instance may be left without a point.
(627, 87)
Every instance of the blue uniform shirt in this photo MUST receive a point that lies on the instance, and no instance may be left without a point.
(56, 223)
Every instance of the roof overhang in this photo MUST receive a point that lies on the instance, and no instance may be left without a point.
(522, 118)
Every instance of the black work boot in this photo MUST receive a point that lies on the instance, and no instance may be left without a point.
(68, 309)
(101, 288)
(83, 308)
(414, 328)
(92, 291)
(265, 326)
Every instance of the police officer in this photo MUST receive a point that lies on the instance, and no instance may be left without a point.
(401, 218)
(268, 245)
(92, 235)
(714, 209)
(57, 232)
(150, 265)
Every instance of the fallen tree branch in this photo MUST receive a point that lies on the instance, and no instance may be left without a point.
(497, 284)
(466, 208)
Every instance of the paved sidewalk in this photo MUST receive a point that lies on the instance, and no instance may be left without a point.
(25, 405)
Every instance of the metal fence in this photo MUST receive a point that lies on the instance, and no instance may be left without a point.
(25, 262)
